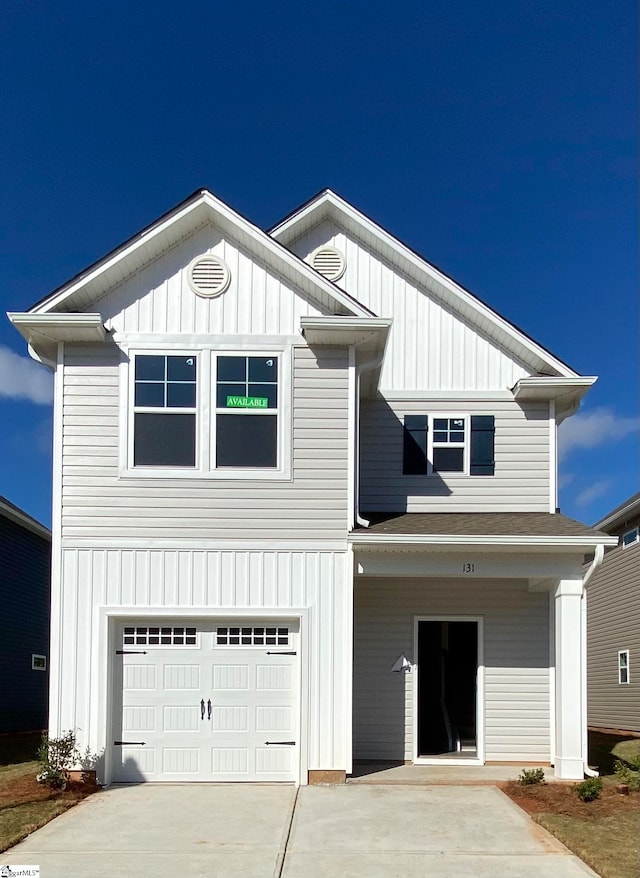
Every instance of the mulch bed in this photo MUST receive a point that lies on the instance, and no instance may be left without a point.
(21, 790)
(555, 798)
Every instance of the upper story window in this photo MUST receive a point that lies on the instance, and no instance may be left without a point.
(246, 412)
(206, 413)
(630, 537)
(449, 444)
(165, 410)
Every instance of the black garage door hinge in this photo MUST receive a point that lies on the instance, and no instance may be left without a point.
(129, 743)
(283, 652)
(280, 743)
(131, 651)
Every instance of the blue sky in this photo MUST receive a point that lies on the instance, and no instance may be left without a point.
(498, 139)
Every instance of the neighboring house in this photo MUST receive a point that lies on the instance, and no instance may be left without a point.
(613, 625)
(305, 509)
(25, 575)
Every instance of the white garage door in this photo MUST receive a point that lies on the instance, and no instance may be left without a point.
(209, 701)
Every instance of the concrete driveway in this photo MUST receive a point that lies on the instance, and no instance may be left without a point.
(256, 831)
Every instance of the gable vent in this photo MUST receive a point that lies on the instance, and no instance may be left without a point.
(208, 276)
(329, 262)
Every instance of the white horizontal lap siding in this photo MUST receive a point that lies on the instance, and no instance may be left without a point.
(430, 348)
(516, 657)
(613, 624)
(159, 299)
(251, 581)
(99, 504)
(520, 483)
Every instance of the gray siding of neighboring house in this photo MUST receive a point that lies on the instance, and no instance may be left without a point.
(25, 560)
(97, 504)
(613, 624)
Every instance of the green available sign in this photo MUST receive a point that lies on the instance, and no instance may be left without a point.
(247, 402)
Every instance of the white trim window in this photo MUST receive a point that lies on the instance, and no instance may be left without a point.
(247, 411)
(630, 537)
(623, 666)
(449, 444)
(165, 405)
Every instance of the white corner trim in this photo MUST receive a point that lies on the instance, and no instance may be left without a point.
(553, 457)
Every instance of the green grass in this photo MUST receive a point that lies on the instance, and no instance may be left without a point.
(608, 844)
(26, 806)
(604, 749)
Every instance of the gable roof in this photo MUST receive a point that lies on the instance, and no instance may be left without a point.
(622, 513)
(201, 207)
(328, 205)
(14, 513)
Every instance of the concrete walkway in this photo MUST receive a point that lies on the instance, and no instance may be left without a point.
(268, 831)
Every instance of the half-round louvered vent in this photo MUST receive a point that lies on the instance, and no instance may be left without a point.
(208, 276)
(329, 261)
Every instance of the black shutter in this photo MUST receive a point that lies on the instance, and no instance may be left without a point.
(414, 458)
(482, 445)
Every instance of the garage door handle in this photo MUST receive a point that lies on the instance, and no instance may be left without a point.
(280, 743)
(209, 709)
(202, 709)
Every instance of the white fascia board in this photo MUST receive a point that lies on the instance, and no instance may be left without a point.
(582, 543)
(543, 387)
(621, 515)
(59, 327)
(346, 330)
(223, 213)
(358, 220)
(25, 521)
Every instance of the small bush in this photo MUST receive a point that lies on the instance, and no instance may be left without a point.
(530, 776)
(589, 789)
(56, 756)
(628, 771)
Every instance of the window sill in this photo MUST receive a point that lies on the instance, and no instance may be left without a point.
(225, 475)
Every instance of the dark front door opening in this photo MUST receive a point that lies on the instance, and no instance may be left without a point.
(447, 688)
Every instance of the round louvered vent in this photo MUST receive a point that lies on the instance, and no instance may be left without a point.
(329, 262)
(208, 276)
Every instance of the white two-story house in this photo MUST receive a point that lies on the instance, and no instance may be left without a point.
(305, 509)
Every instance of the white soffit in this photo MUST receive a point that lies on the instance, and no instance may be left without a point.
(201, 208)
(328, 205)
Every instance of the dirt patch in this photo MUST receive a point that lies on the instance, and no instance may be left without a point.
(557, 798)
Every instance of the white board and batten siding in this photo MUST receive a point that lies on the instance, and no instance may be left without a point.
(97, 504)
(521, 482)
(158, 299)
(430, 348)
(203, 585)
(516, 662)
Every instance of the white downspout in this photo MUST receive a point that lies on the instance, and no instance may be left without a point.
(363, 367)
(597, 561)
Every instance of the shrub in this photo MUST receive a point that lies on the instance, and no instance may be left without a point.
(589, 789)
(56, 756)
(628, 771)
(530, 776)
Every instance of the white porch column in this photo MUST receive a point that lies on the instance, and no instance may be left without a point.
(569, 759)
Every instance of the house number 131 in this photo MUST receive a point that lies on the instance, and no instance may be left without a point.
(468, 568)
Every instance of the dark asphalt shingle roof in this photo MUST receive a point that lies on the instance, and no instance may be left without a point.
(541, 524)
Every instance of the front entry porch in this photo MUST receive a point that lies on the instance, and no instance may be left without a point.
(477, 671)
